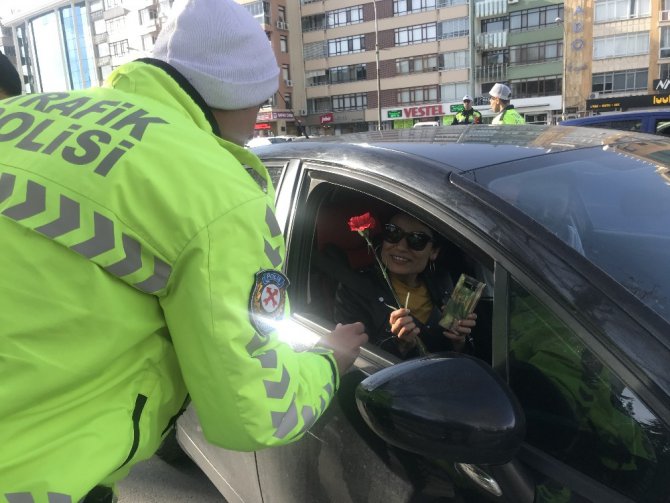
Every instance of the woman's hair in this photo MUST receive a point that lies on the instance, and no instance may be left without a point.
(10, 81)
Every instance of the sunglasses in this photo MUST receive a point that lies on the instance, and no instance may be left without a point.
(416, 241)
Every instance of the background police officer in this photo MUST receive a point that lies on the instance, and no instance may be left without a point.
(468, 115)
(500, 104)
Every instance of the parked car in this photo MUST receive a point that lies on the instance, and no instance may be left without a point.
(567, 395)
(647, 121)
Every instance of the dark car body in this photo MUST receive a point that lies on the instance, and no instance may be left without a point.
(647, 121)
(569, 229)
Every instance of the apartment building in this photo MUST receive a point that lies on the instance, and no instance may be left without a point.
(357, 65)
(68, 44)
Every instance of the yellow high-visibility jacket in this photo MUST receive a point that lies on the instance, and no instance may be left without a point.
(140, 262)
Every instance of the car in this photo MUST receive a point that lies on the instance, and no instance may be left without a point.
(567, 394)
(426, 124)
(643, 121)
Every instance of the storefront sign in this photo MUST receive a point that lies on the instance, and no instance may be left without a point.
(454, 109)
(274, 116)
(262, 126)
(662, 85)
(394, 114)
(436, 110)
(647, 100)
(326, 118)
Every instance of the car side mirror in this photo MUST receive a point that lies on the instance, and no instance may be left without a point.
(446, 405)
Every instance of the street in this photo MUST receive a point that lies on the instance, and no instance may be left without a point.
(155, 481)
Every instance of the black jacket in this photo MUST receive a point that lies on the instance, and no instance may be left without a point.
(366, 301)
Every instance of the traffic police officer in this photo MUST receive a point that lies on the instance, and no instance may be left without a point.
(140, 263)
(500, 104)
(468, 115)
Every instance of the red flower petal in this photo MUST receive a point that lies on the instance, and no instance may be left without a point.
(362, 222)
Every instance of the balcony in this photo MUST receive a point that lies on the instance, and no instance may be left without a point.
(114, 12)
(100, 38)
(491, 73)
(491, 8)
(492, 40)
(104, 60)
(96, 15)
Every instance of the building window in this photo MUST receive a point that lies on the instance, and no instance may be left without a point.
(351, 73)
(536, 53)
(116, 24)
(118, 48)
(415, 34)
(454, 28)
(148, 15)
(626, 44)
(343, 17)
(287, 101)
(454, 59)
(664, 71)
(313, 23)
(539, 86)
(664, 42)
(285, 72)
(611, 10)
(495, 24)
(148, 42)
(283, 43)
(346, 45)
(356, 101)
(110, 4)
(402, 7)
(415, 95)
(281, 13)
(532, 19)
(260, 10)
(495, 57)
(417, 64)
(453, 92)
(614, 82)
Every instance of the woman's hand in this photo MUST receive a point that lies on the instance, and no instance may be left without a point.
(460, 335)
(404, 328)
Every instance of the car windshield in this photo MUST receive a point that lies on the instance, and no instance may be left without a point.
(610, 205)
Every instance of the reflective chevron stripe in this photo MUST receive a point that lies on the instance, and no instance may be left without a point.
(104, 239)
(272, 253)
(285, 422)
(28, 498)
(275, 389)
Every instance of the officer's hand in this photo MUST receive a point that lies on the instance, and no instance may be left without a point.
(345, 341)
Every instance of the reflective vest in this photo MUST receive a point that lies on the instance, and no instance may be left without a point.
(136, 251)
(471, 116)
(508, 116)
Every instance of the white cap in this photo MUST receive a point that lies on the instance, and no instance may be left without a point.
(221, 50)
(467, 98)
(500, 91)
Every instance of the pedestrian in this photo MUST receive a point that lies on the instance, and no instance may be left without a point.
(141, 264)
(500, 104)
(468, 115)
(10, 81)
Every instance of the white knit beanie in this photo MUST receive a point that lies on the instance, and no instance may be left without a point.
(222, 51)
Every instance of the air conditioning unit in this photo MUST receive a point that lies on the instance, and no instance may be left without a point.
(289, 83)
(282, 25)
(302, 112)
(594, 95)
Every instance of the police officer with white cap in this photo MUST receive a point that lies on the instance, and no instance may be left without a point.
(500, 104)
(468, 115)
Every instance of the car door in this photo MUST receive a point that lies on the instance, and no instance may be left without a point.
(340, 459)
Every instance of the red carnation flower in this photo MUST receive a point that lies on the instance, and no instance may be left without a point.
(362, 222)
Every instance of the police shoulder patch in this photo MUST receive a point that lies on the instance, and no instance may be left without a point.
(267, 300)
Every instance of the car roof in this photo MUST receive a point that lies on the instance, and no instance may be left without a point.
(463, 148)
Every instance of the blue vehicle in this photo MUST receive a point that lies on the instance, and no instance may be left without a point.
(647, 121)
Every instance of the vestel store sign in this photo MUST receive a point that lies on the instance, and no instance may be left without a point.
(416, 112)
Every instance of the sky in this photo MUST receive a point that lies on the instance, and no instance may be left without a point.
(6, 6)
